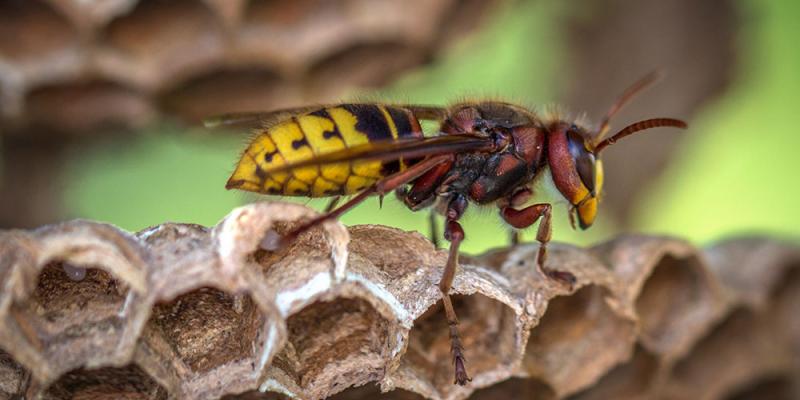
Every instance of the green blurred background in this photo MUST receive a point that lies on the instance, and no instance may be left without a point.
(732, 172)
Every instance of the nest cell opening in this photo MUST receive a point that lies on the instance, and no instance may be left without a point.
(129, 382)
(336, 344)
(32, 30)
(69, 296)
(632, 379)
(208, 328)
(86, 106)
(670, 302)
(488, 335)
(578, 339)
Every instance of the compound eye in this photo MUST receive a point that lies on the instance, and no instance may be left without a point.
(584, 160)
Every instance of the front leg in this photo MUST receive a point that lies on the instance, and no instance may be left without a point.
(521, 219)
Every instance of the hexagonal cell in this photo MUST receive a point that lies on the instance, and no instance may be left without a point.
(78, 299)
(158, 42)
(633, 379)
(87, 106)
(33, 31)
(335, 344)
(229, 90)
(488, 332)
(675, 305)
(76, 315)
(208, 328)
(742, 348)
(769, 387)
(578, 340)
(13, 377)
(128, 382)
(515, 388)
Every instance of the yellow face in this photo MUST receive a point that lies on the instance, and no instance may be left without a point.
(576, 171)
(587, 208)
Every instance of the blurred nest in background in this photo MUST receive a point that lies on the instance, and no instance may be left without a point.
(75, 70)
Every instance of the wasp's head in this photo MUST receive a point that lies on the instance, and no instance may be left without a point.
(573, 154)
(577, 171)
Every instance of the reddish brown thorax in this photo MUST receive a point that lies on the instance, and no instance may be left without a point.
(486, 177)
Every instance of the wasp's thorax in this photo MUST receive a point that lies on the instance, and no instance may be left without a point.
(485, 177)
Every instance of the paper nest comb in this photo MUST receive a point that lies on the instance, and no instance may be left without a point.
(185, 311)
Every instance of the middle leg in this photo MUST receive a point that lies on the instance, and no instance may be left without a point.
(528, 216)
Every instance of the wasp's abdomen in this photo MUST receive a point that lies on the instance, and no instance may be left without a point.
(323, 131)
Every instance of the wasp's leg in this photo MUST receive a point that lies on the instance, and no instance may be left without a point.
(332, 204)
(514, 237)
(526, 217)
(434, 229)
(519, 198)
(455, 235)
(380, 188)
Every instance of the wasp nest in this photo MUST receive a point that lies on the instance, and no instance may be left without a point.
(181, 310)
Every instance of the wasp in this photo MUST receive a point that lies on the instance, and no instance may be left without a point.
(485, 152)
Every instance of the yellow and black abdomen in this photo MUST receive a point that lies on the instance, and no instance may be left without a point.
(326, 130)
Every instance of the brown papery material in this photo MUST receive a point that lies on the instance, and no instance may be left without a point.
(183, 310)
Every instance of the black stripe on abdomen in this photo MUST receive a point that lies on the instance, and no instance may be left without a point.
(402, 121)
(370, 121)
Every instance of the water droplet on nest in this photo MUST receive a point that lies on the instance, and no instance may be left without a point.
(74, 273)
(271, 241)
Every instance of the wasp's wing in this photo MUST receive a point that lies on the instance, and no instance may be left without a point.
(430, 113)
(267, 119)
(394, 150)
(257, 119)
